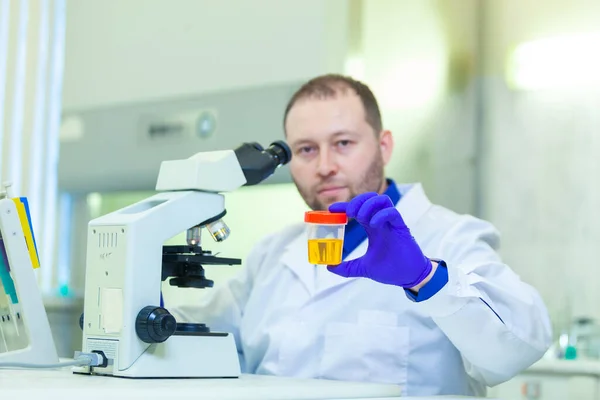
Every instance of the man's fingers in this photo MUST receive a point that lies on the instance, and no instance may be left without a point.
(348, 269)
(356, 203)
(389, 215)
(339, 207)
(371, 207)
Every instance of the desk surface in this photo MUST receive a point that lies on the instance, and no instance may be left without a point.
(566, 367)
(64, 385)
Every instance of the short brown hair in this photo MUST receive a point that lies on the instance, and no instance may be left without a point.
(328, 86)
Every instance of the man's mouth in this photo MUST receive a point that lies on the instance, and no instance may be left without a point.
(330, 190)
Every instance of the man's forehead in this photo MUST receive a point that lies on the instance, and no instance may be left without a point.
(342, 96)
(316, 112)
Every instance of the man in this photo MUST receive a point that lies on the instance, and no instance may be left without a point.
(422, 300)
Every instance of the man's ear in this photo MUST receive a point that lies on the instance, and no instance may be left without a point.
(386, 144)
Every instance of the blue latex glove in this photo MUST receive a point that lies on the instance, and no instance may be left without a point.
(393, 256)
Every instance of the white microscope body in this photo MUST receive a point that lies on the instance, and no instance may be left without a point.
(127, 262)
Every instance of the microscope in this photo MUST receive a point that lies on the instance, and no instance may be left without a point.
(127, 262)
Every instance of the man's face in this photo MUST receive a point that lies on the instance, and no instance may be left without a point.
(336, 154)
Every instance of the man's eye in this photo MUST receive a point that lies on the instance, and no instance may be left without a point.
(305, 150)
(343, 143)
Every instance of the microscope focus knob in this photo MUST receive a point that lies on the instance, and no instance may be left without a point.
(154, 324)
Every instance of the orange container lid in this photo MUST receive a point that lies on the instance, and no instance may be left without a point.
(325, 217)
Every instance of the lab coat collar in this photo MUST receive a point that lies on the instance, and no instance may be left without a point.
(413, 205)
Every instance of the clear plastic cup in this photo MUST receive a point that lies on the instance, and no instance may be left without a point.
(325, 236)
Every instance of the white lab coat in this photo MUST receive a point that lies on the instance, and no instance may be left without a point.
(291, 318)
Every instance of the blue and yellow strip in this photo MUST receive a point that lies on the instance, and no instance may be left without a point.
(25, 219)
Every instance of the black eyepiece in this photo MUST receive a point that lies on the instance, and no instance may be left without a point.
(280, 151)
(258, 163)
(256, 145)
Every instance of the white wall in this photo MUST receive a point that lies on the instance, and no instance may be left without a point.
(31, 68)
(31, 72)
(404, 54)
(511, 22)
(418, 58)
(541, 171)
(137, 50)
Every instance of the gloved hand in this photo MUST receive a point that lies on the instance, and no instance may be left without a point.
(393, 256)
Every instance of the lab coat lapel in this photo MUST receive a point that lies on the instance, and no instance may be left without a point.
(413, 203)
(295, 257)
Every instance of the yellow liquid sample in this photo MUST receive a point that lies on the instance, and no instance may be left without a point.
(325, 251)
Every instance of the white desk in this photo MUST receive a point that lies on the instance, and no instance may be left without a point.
(551, 379)
(64, 385)
(567, 367)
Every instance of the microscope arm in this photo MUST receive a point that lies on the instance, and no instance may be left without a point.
(223, 170)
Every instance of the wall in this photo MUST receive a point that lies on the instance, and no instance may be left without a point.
(419, 58)
(541, 146)
(31, 76)
(31, 67)
(137, 50)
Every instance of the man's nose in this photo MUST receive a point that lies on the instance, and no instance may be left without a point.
(327, 164)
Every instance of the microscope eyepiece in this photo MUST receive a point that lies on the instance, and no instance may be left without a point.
(256, 145)
(258, 163)
(280, 151)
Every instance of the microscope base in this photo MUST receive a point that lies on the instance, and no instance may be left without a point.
(213, 355)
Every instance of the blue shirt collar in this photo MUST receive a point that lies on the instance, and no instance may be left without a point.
(355, 234)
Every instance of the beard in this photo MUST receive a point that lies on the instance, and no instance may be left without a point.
(370, 181)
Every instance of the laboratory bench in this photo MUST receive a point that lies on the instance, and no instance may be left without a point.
(64, 385)
(553, 379)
